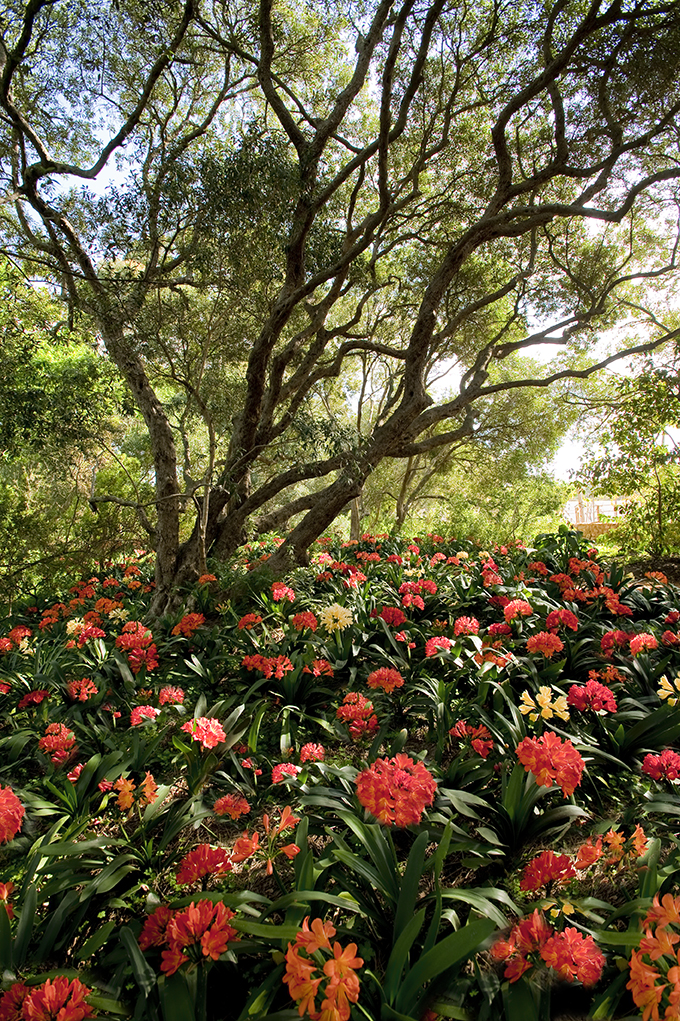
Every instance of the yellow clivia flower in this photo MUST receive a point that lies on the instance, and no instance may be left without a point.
(543, 705)
(336, 617)
(668, 690)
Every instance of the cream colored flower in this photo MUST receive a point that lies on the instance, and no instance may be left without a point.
(666, 689)
(335, 617)
(119, 614)
(543, 705)
(75, 626)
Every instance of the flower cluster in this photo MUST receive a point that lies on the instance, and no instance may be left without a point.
(137, 641)
(552, 760)
(547, 868)
(249, 847)
(189, 623)
(571, 954)
(336, 617)
(82, 690)
(543, 705)
(141, 713)
(59, 743)
(305, 619)
(56, 999)
(545, 642)
(592, 695)
(396, 791)
(654, 981)
(465, 626)
(385, 678)
(274, 666)
(338, 976)
(281, 591)
(11, 814)
(203, 860)
(357, 712)
(662, 767)
(669, 691)
(232, 805)
(198, 931)
(479, 737)
(206, 730)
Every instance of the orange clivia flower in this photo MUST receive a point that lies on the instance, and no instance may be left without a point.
(552, 760)
(125, 797)
(149, 789)
(232, 805)
(11, 814)
(588, 853)
(396, 791)
(548, 867)
(58, 999)
(204, 860)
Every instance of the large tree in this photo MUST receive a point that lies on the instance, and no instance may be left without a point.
(423, 181)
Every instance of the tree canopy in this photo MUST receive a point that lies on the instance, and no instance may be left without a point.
(252, 202)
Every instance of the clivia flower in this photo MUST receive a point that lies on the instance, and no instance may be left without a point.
(552, 760)
(357, 712)
(59, 743)
(669, 691)
(282, 770)
(465, 626)
(200, 930)
(305, 979)
(281, 591)
(592, 695)
(545, 642)
(207, 730)
(543, 706)
(396, 791)
(335, 617)
(517, 608)
(437, 644)
(11, 814)
(82, 690)
(171, 696)
(662, 767)
(548, 867)
(305, 619)
(57, 999)
(188, 625)
(311, 752)
(204, 860)
(385, 678)
(141, 713)
(232, 805)
(639, 643)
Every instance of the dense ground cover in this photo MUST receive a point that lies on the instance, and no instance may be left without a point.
(414, 779)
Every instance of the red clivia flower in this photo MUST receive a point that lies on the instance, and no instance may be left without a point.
(592, 695)
(282, 770)
(171, 696)
(499, 629)
(250, 620)
(319, 668)
(396, 791)
(465, 626)
(437, 644)
(11, 814)
(204, 860)
(6, 890)
(517, 608)
(614, 640)
(202, 928)
(33, 698)
(662, 767)
(385, 678)
(141, 713)
(574, 956)
(207, 730)
(393, 616)
(305, 619)
(205, 579)
(258, 662)
(588, 854)
(153, 932)
(281, 591)
(562, 617)
(126, 789)
(189, 623)
(357, 712)
(479, 737)
(548, 867)
(58, 999)
(552, 760)
(82, 690)
(232, 805)
(311, 752)
(545, 642)
(59, 743)
(149, 789)
(642, 642)
(12, 1000)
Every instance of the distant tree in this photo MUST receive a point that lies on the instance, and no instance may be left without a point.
(634, 451)
(424, 183)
